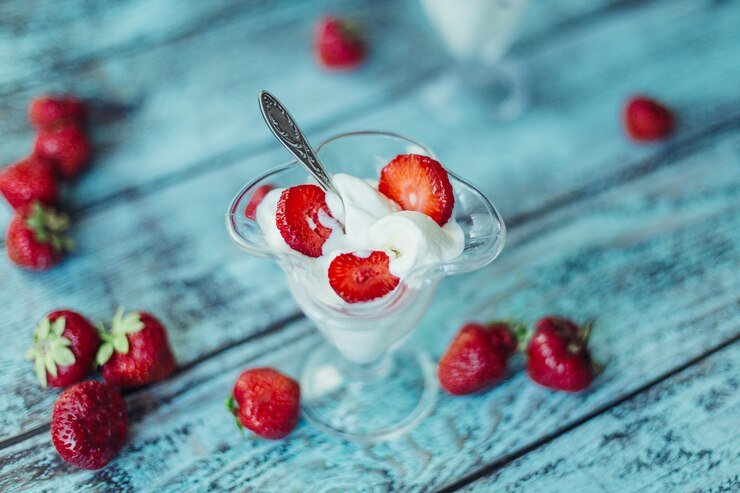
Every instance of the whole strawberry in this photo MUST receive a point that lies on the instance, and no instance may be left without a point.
(646, 119)
(339, 44)
(66, 146)
(64, 348)
(477, 358)
(29, 180)
(557, 355)
(89, 424)
(135, 351)
(47, 111)
(35, 238)
(266, 402)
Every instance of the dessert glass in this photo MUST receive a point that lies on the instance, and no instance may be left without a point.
(477, 34)
(363, 385)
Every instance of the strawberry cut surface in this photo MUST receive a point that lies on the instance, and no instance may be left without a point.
(418, 183)
(250, 211)
(357, 279)
(299, 219)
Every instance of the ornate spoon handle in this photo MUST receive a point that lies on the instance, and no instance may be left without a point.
(287, 132)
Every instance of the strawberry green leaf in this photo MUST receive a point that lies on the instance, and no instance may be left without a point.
(63, 341)
(104, 353)
(59, 325)
(127, 324)
(51, 366)
(231, 405)
(57, 243)
(63, 356)
(43, 329)
(40, 370)
(233, 409)
(120, 343)
(31, 353)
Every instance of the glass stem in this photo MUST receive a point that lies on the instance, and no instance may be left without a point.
(372, 370)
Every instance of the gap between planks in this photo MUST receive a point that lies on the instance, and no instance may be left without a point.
(693, 142)
(509, 458)
(231, 156)
(228, 14)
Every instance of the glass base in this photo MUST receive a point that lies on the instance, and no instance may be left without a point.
(476, 95)
(367, 403)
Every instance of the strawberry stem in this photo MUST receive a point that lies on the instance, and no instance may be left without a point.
(586, 331)
(233, 409)
(520, 331)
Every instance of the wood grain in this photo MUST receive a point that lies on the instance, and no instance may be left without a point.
(670, 234)
(149, 123)
(164, 248)
(681, 435)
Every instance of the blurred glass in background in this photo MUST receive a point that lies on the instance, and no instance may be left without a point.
(477, 34)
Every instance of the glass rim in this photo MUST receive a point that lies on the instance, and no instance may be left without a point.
(418, 274)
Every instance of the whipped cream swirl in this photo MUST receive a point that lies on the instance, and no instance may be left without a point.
(371, 222)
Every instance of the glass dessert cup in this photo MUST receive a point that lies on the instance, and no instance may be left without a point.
(363, 385)
(477, 35)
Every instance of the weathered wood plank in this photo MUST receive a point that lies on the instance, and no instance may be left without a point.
(160, 108)
(208, 293)
(573, 134)
(152, 252)
(655, 256)
(681, 435)
(158, 121)
(41, 40)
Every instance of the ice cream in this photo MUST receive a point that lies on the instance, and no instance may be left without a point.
(372, 222)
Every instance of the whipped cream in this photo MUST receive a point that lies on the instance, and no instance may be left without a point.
(371, 222)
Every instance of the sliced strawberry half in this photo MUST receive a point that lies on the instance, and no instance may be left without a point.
(299, 219)
(356, 279)
(250, 211)
(418, 183)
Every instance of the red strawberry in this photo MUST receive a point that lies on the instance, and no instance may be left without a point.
(256, 199)
(476, 358)
(339, 43)
(64, 348)
(557, 356)
(47, 111)
(35, 238)
(356, 279)
(418, 183)
(28, 180)
(89, 424)
(266, 402)
(66, 146)
(647, 119)
(135, 351)
(301, 216)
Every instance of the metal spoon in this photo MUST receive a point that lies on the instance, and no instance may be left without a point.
(285, 129)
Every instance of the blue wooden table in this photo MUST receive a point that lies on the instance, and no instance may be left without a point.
(646, 238)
